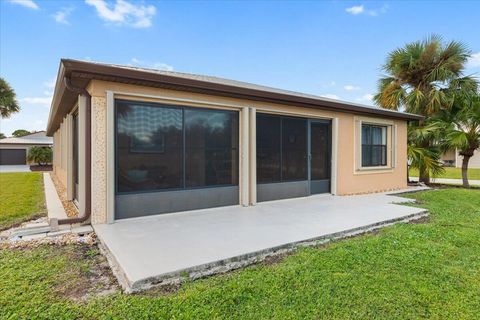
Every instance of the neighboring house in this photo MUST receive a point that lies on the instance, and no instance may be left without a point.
(14, 151)
(454, 159)
(132, 142)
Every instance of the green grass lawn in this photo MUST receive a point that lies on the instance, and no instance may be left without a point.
(453, 173)
(407, 271)
(21, 197)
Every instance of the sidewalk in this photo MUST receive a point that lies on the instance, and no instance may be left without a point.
(450, 181)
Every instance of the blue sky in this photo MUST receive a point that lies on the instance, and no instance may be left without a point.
(330, 48)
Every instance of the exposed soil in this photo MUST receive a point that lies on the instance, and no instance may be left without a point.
(96, 279)
(41, 168)
(161, 290)
(271, 260)
(422, 220)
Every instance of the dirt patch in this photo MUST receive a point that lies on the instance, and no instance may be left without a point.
(41, 168)
(161, 290)
(92, 279)
(70, 208)
(271, 260)
(421, 220)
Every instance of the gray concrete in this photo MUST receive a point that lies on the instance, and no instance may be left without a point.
(152, 249)
(451, 181)
(14, 168)
(55, 207)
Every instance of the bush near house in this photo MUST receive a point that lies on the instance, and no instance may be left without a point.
(408, 271)
(40, 155)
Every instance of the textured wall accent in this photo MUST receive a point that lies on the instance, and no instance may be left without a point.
(99, 160)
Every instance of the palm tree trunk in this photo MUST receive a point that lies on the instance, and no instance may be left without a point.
(424, 176)
(465, 171)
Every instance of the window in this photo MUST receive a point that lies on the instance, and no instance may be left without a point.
(281, 149)
(160, 147)
(374, 145)
(211, 148)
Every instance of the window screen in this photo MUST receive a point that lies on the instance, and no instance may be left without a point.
(161, 147)
(281, 148)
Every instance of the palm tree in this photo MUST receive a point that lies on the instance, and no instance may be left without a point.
(8, 102)
(461, 127)
(421, 157)
(423, 78)
(41, 155)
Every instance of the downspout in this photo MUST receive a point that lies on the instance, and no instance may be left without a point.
(88, 154)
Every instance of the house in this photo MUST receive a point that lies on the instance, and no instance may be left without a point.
(14, 150)
(454, 159)
(131, 142)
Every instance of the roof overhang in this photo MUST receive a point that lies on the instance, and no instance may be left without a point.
(81, 72)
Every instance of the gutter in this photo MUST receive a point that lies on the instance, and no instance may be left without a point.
(88, 154)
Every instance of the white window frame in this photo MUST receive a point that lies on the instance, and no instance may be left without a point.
(391, 145)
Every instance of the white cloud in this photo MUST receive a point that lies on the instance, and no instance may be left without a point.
(50, 83)
(26, 3)
(330, 96)
(61, 16)
(162, 66)
(350, 87)
(355, 9)
(365, 98)
(124, 13)
(474, 60)
(37, 100)
(46, 100)
(156, 65)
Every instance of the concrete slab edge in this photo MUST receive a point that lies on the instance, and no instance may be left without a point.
(117, 271)
(237, 262)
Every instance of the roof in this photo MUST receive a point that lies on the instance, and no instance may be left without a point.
(81, 72)
(37, 138)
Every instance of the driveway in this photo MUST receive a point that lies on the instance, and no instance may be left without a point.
(156, 248)
(14, 168)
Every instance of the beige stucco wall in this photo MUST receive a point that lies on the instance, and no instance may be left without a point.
(473, 163)
(350, 180)
(60, 141)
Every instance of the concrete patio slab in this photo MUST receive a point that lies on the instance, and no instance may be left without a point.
(159, 249)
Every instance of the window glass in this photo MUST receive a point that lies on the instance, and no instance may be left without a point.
(149, 147)
(268, 148)
(151, 152)
(374, 145)
(211, 148)
(294, 149)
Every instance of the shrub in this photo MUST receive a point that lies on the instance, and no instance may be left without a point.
(41, 155)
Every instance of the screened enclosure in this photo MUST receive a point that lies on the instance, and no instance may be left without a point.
(174, 158)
